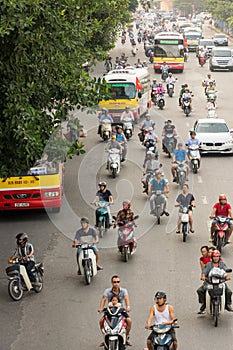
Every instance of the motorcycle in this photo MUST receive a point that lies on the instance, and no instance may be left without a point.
(113, 328)
(19, 281)
(154, 96)
(211, 107)
(164, 73)
(187, 106)
(221, 230)
(194, 156)
(159, 201)
(181, 172)
(169, 144)
(202, 60)
(128, 129)
(134, 50)
(87, 261)
(151, 59)
(170, 89)
(106, 130)
(151, 146)
(161, 100)
(103, 217)
(126, 242)
(114, 161)
(185, 221)
(215, 296)
(162, 339)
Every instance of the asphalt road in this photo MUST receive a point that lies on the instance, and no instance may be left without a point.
(64, 315)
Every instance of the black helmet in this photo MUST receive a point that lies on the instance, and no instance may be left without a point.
(160, 295)
(102, 183)
(192, 132)
(23, 237)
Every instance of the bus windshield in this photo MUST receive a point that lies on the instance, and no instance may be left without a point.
(168, 51)
(193, 35)
(123, 90)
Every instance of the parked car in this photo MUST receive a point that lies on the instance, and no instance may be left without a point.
(220, 40)
(214, 135)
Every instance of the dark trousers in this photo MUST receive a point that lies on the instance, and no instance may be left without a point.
(202, 291)
(29, 266)
(97, 215)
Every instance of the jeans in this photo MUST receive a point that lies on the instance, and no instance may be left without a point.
(29, 266)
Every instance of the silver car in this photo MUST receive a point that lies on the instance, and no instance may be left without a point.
(214, 135)
(220, 40)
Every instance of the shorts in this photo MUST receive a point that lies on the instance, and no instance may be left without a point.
(172, 332)
(94, 248)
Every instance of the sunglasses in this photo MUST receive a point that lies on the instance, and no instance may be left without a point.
(116, 281)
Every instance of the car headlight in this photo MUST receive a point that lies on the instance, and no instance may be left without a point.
(51, 194)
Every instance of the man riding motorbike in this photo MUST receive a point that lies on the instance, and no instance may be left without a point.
(103, 194)
(192, 141)
(104, 116)
(120, 137)
(169, 129)
(215, 262)
(127, 115)
(111, 145)
(161, 313)
(186, 199)
(157, 183)
(179, 154)
(170, 80)
(151, 164)
(221, 208)
(151, 135)
(147, 123)
(207, 81)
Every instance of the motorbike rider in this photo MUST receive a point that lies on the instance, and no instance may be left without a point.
(127, 116)
(160, 89)
(186, 94)
(179, 155)
(121, 138)
(147, 123)
(125, 214)
(25, 253)
(206, 82)
(183, 86)
(112, 144)
(151, 164)
(170, 80)
(205, 256)
(186, 199)
(150, 135)
(103, 194)
(154, 87)
(157, 183)
(215, 262)
(193, 141)
(104, 116)
(169, 129)
(221, 208)
(161, 313)
(164, 67)
(86, 234)
(203, 53)
(210, 90)
(123, 297)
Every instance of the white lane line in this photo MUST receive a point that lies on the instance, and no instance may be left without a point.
(199, 180)
(204, 200)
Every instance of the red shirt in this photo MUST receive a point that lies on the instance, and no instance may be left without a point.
(205, 260)
(222, 210)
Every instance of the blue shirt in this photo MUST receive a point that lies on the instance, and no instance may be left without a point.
(105, 117)
(157, 186)
(180, 154)
(192, 142)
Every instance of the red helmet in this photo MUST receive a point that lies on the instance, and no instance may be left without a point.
(222, 196)
(215, 253)
(126, 204)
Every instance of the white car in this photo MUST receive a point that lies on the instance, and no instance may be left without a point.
(214, 135)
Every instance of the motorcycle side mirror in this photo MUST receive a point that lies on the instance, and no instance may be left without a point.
(139, 94)
(228, 270)
(114, 217)
(160, 165)
(136, 217)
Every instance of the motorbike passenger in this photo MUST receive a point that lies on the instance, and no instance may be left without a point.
(168, 129)
(86, 234)
(221, 208)
(179, 155)
(186, 199)
(120, 137)
(113, 143)
(202, 54)
(170, 80)
(205, 256)
(25, 253)
(215, 262)
(104, 116)
(157, 183)
(123, 297)
(151, 164)
(105, 195)
(161, 313)
(192, 141)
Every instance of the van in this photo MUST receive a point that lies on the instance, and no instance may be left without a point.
(221, 58)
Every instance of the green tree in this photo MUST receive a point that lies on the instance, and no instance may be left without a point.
(43, 45)
(185, 6)
(221, 10)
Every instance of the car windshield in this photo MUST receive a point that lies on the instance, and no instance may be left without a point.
(222, 53)
(211, 128)
(219, 36)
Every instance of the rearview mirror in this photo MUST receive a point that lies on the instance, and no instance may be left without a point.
(139, 94)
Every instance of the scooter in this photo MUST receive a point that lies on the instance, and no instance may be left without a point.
(161, 100)
(220, 232)
(164, 74)
(114, 161)
(151, 59)
(194, 156)
(170, 89)
(87, 261)
(202, 60)
(169, 144)
(128, 129)
(106, 130)
(211, 110)
(159, 204)
(215, 296)
(113, 328)
(187, 106)
(151, 146)
(126, 242)
(103, 217)
(19, 281)
(154, 96)
(162, 339)
(185, 221)
(181, 172)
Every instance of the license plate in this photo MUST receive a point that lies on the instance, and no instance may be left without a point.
(21, 204)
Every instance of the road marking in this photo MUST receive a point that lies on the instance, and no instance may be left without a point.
(199, 180)
(204, 200)
(187, 124)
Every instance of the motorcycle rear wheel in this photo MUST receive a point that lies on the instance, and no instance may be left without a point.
(170, 92)
(184, 231)
(14, 291)
(158, 220)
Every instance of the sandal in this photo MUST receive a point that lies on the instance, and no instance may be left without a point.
(177, 231)
(192, 231)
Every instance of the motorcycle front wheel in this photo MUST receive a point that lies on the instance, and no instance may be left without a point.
(87, 274)
(114, 171)
(184, 231)
(39, 288)
(219, 244)
(113, 344)
(101, 229)
(125, 254)
(215, 314)
(16, 293)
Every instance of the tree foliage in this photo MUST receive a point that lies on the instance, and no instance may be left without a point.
(43, 45)
(221, 10)
(185, 6)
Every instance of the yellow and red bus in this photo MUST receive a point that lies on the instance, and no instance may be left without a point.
(40, 188)
(169, 48)
(127, 87)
